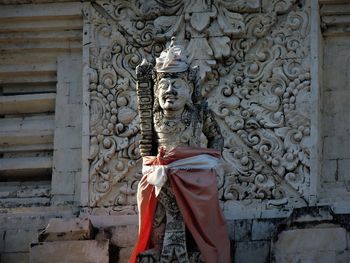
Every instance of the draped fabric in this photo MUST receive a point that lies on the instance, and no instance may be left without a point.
(196, 194)
(157, 176)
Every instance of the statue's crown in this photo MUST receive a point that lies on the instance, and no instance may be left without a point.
(173, 59)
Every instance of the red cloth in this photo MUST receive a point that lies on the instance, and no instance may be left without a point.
(197, 197)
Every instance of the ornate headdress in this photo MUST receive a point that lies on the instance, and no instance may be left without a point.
(172, 60)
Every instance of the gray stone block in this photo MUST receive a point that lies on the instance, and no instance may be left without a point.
(124, 235)
(124, 254)
(15, 257)
(8, 222)
(316, 239)
(2, 243)
(336, 147)
(306, 257)
(63, 183)
(70, 115)
(70, 251)
(68, 160)
(19, 240)
(103, 221)
(242, 230)
(67, 137)
(344, 169)
(231, 228)
(60, 229)
(263, 229)
(252, 252)
(329, 170)
(342, 257)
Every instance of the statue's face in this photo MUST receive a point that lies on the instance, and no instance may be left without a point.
(173, 94)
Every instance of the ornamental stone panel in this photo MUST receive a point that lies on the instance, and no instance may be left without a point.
(254, 67)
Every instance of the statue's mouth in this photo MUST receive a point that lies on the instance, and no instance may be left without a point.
(170, 98)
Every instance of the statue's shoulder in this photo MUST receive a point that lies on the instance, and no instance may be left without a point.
(202, 113)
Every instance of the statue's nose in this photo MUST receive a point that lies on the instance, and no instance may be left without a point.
(170, 86)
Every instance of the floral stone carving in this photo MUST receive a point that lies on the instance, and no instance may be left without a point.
(253, 59)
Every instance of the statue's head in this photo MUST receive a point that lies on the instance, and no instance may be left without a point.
(173, 84)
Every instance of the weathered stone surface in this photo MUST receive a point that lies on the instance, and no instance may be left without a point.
(235, 210)
(335, 19)
(31, 217)
(310, 256)
(27, 103)
(335, 117)
(62, 199)
(2, 243)
(19, 240)
(67, 229)
(231, 229)
(124, 254)
(343, 256)
(63, 141)
(70, 251)
(124, 235)
(309, 244)
(312, 214)
(67, 161)
(344, 169)
(103, 234)
(330, 170)
(335, 146)
(101, 221)
(19, 257)
(263, 229)
(63, 183)
(252, 252)
(243, 230)
(37, 191)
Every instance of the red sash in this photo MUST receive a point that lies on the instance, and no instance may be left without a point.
(197, 197)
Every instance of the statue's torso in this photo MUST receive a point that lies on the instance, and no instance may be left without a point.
(185, 130)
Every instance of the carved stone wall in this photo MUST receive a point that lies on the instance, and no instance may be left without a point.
(254, 59)
(335, 177)
(40, 120)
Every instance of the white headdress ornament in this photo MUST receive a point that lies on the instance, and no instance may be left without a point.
(172, 59)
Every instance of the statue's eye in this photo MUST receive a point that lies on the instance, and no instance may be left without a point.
(163, 85)
(178, 84)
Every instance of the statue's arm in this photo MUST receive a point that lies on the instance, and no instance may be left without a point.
(212, 130)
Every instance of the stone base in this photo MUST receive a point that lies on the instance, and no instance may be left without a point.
(323, 244)
(70, 251)
(60, 229)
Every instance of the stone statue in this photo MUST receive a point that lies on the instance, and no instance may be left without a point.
(179, 215)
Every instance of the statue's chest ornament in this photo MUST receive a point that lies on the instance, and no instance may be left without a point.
(173, 125)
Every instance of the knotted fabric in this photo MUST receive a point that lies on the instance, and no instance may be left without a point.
(156, 174)
(195, 190)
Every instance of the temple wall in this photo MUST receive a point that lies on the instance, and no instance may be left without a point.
(335, 115)
(40, 120)
(275, 73)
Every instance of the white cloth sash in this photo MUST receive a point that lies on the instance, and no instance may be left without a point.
(156, 174)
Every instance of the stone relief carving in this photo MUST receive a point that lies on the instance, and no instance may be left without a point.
(254, 73)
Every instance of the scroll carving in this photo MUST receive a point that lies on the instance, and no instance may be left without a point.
(254, 72)
(144, 89)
